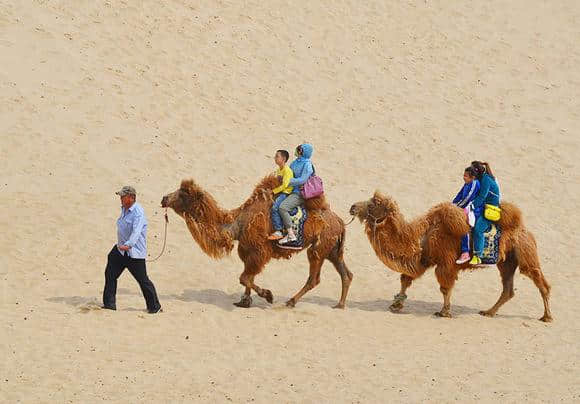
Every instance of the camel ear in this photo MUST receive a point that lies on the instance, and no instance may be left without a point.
(378, 197)
(186, 185)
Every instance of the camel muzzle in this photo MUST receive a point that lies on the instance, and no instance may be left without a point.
(353, 210)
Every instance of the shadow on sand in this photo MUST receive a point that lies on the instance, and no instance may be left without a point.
(224, 301)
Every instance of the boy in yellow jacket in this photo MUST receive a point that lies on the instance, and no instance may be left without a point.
(281, 192)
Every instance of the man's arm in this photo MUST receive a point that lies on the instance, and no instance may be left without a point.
(458, 198)
(285, 181)
(138, 225)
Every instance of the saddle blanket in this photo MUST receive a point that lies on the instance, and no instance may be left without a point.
(299, 217)
(491, 245)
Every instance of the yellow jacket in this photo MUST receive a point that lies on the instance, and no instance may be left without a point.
(286, 174)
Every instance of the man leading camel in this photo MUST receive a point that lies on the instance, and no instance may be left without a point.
(129, 252)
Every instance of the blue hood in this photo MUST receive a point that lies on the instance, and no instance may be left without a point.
(307, 150)
(302, 168)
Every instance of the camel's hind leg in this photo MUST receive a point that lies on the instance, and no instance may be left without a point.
(446, 278)
(506, 270)
(313, 277)
(530, 266)
(400, 298)
(337, 259)
(543, 286)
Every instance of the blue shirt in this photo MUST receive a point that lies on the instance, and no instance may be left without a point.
(132, 231)
(467, 194)
(302, 168)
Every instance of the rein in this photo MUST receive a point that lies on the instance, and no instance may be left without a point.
(164, 239)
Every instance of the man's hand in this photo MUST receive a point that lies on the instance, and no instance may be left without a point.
(124, 248)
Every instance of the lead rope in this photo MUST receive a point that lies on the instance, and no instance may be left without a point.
(164, 239)
(351, 220)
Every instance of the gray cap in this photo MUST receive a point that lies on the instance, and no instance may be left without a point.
(126, 190)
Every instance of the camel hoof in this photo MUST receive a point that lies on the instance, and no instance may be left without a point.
(291, 303)
(245, 302)
(486, 313)
(443, 314)
(338, 306)
(398, 303)
(546, 319)
(268, 296)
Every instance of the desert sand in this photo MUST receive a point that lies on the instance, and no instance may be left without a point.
(395, 96)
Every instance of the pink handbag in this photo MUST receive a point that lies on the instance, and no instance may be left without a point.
(312, 187)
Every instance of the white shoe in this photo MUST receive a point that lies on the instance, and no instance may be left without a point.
(463, 258)
(290, 237)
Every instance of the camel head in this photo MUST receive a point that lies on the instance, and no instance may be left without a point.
(375, 210)
(187, 199)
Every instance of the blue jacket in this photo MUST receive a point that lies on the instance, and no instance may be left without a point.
(488, 193)
(466, 194)
(302, 168)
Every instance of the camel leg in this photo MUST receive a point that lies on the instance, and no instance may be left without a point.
(400, 298)
(345, 275)
(313, 277)
(536, 275)
(246, 299)
(247, 279)
(506, 270)
(446, 280)
(530, 266)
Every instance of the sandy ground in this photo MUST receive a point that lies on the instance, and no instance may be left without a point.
(396, 96)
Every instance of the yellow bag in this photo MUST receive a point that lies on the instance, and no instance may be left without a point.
(492, 213)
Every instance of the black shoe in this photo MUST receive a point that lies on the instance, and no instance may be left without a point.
(108, 307)
(158, 310)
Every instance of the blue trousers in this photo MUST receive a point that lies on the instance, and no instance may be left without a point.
(465, 244)
(481, 226)
(275, 212)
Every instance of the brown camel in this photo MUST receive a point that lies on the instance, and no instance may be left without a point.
(215, 230)
(433, 239)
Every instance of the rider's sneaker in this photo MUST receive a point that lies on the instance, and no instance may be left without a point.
(277, 235)
(290, 237)
(475, 260)
(463, 258)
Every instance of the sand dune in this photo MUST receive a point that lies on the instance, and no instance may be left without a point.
(396, 96)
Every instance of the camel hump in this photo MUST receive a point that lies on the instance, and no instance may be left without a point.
(317, 203)
(450, 217)
(511, 216)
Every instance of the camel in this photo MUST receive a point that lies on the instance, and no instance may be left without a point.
(216, 229)
(433, 239)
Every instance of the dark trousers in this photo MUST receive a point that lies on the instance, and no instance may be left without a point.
(116, 264)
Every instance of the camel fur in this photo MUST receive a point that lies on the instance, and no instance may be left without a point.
(434, 239)
(215, 230)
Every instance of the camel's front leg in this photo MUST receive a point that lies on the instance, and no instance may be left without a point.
(446, 279)
(445, 310)
(247, 279)
(399, 299)
(246, 299)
